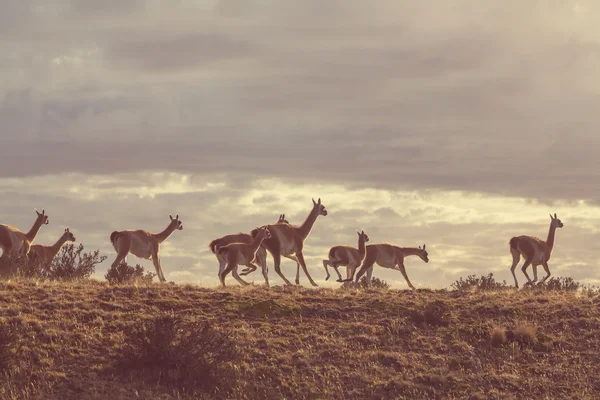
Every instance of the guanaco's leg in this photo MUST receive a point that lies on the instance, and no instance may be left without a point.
(300, 258)
(403, 271)
(368, 262)
(156, 262)
(524, 269)
(547, 269)
(534, 267)
(516, 258)
(261, 255)
(277, 266)
(122, 245)
(294, 258)
(369, 275)
(325, 264)
(228, 268)
(234, 272)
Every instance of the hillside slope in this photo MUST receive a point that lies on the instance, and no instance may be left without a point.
(319, 344)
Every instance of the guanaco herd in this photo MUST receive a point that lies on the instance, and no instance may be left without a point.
(280, 239)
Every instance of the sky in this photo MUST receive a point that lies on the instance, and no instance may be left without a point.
(455, 124)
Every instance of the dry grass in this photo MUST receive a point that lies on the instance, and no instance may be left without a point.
(296, 343)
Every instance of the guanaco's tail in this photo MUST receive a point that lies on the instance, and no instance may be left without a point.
(213, 246)
(113, 236)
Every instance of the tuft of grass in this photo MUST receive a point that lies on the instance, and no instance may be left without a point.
(498, 337)
(435, 313)
(524, 334)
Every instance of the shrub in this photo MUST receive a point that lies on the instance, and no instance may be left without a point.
(376, 283)
(561, 284)
(483, 283)
(185, 355)
(71, 263)
(124, 273)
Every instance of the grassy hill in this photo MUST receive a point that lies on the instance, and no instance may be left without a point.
(90, 341)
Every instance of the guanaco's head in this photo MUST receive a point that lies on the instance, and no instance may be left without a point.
(68, 235)
(557, 223)
(363, 235)
(42, 218)
(176, 222)
(282, 219)
(320, 207)
(423, 254)
(262, 232)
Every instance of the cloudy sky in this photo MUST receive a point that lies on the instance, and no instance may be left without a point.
(458, 125)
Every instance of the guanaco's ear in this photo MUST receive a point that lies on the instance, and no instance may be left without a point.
(319, 201)
(423, 247)
(36, 211)
(67, 229)
(44, 212)
(170, 216)
(555, 217)
(314, 202)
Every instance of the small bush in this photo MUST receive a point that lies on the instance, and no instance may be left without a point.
(71, 263)
(376, 283)
(561, 284)
(182, 355)
(123, 273)
(483, 283)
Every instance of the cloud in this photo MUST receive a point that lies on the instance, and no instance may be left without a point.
(396, 96)
(465, 234)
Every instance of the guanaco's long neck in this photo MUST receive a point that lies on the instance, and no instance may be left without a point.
(256, 242)
(34, 229)
(307, 225)
(409, 251)
(56, 246)
(551, 233)
(162, 236)
(362, 248)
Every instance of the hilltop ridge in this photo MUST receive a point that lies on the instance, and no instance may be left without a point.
(298, 343)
